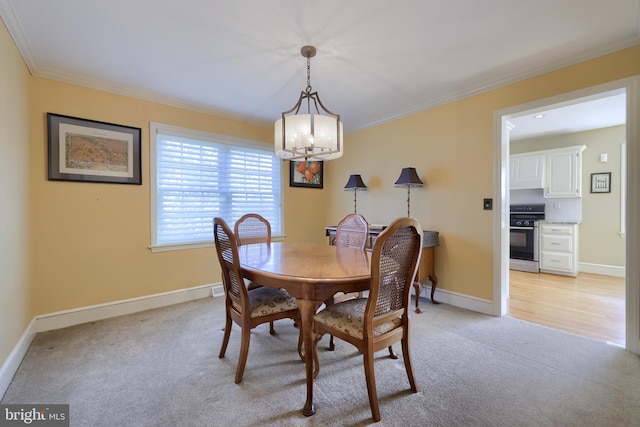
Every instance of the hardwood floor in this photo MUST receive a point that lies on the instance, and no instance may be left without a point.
(590, 305)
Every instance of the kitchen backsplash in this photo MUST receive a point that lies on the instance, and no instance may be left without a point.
(567, 209)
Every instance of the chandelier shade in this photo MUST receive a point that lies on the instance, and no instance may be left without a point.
(316, 135)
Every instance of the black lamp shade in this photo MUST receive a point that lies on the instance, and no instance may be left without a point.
(409, 178)
(355, 183)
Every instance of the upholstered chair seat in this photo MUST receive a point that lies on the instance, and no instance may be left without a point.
(348, 317)
(264, 301)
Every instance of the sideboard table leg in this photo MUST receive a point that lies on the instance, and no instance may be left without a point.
(434, 284)
(418, 286)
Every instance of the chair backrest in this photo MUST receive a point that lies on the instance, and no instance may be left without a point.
(352, 231)
(252, 228)
(394, 263)
(227, 250)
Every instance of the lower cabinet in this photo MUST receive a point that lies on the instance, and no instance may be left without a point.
(559, 249)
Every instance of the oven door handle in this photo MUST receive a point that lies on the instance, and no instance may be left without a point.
(521, 228)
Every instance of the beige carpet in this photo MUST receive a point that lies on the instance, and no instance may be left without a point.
(161, 368)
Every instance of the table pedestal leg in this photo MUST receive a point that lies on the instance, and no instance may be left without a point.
(307, 311)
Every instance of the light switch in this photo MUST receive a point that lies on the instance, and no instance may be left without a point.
(603, 157)
(487, 204)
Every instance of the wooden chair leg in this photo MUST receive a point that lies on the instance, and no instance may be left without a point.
(332, 346)
(272, 331)
(244, 352)
(371, 385)
(225, 339)
(392, 354)
(407, 364)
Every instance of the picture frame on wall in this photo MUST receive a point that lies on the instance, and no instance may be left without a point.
(306, 173)
(85, 150)
(601, 182)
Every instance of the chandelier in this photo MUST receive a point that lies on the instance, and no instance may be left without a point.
(316, 135)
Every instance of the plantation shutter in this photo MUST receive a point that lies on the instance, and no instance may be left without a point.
(197, 180)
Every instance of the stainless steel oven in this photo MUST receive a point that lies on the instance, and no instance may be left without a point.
(523, 247)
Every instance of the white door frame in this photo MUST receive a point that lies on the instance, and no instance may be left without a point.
(501, 184)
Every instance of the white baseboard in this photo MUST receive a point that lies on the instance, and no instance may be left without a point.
(605, 270)
(63, 319)
(11, 365)
(459, 300)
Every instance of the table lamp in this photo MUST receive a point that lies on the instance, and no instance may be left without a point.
(355, 184)
(409, 178)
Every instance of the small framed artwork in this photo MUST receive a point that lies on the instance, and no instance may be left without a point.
(306, 173)
(91, 151)
(601, 182)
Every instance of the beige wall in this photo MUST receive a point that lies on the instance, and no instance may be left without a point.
(451, 147)
(87, 243)
(90, 241)
(15, 295)
(599, 238)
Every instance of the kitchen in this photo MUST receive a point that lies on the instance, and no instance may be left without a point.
(579, 225)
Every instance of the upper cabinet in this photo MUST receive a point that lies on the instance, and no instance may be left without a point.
(564, 172)
(557, 171)
(527, 171)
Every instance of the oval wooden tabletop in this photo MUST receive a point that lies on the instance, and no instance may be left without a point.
(306, 262)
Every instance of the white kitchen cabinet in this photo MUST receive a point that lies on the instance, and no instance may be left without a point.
(526, 171)
(563, 172)
(559, 248)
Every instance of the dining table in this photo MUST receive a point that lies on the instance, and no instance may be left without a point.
(311, 273)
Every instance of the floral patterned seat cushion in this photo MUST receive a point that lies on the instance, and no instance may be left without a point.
(348, 317)
(264, 301)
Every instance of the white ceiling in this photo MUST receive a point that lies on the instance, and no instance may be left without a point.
(603, 110)
(377, 60)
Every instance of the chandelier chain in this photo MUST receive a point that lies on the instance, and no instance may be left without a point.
(308, 75)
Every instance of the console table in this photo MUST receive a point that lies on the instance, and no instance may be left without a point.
(426, 267)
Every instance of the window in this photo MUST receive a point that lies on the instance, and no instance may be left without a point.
(196, 176)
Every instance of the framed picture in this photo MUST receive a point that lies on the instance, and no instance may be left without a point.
(601, 182)
(305, 173)
(91, 151)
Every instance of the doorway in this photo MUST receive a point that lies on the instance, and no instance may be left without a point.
(501, 283)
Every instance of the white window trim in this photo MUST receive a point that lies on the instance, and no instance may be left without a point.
(160, 128)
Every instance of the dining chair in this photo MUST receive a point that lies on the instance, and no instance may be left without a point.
(352, 232)
(253, 228)
(246, 308)
(381, 319)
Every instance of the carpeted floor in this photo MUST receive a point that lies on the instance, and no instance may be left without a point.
(161, 368)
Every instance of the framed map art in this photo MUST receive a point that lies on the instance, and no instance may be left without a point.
(92, 151)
